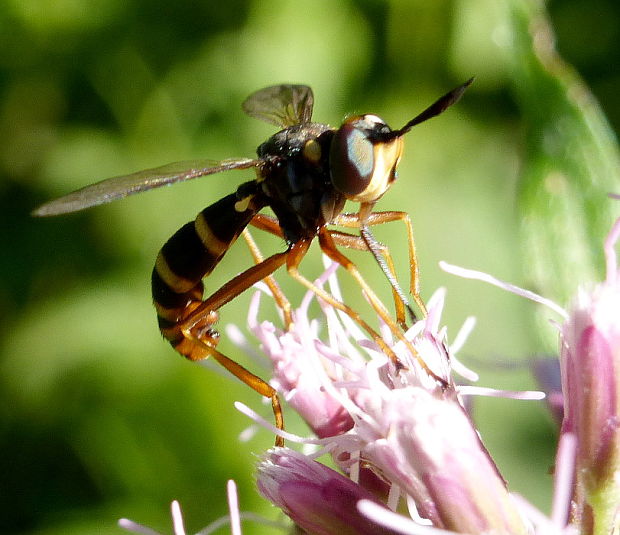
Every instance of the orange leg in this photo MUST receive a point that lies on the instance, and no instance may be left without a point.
(378, 218)
(268, 224)
(295, 255)
(299, 250)
(351, 241)
(278, 295)
(329, 248)
(194, 330)
(328, 245)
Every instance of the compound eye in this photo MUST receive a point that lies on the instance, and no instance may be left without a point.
(351, 158)
(363, 158)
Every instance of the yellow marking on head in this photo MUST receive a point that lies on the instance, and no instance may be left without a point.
(312, 151)
(175, 282)
(386, 158)
(210, 241)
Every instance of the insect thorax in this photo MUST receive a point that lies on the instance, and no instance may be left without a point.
(296, 179)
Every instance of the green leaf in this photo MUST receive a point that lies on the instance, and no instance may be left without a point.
(570, 164)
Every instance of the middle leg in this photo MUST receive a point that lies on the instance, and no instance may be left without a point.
(377, 218)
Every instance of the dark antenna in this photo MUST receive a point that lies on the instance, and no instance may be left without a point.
(439, 106)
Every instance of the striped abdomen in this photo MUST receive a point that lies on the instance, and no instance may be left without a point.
(188, 256)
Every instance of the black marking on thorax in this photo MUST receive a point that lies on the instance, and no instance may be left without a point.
(297, 183)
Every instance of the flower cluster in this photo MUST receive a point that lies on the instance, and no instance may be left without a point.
(397, 433)
(408, 456)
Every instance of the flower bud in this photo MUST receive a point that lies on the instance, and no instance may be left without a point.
(590, 361)
(318, 499)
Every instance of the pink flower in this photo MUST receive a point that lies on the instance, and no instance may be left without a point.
(298, 374)
(429, 447)
(400, 433)
(411, 459)
(590, 363)
(318, 499)
(590, 373)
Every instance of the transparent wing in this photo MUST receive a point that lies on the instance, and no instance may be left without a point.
(281, 105)
(121, 186)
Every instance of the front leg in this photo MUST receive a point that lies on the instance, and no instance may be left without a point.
(357, 243)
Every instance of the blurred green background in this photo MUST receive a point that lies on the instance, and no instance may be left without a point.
(99, 418)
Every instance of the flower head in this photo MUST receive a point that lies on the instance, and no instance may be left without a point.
(396, 432)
